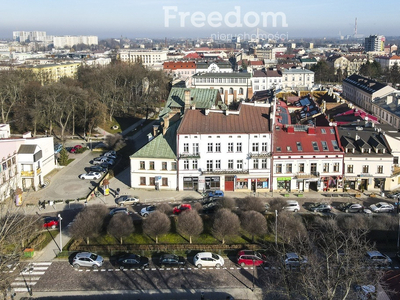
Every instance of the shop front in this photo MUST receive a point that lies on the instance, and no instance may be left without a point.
(190, 183)
(350, 183)
(283, 183)
(213, 183)
(331, 183)
(229, 183)
(242, 183)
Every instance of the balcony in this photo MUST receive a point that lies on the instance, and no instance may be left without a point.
(260, 155)
(189, 155)
(225, 172)
(27, 174)
(307, 175)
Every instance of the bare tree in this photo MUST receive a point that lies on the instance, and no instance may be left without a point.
(190, 223)
(227, 202)
(165, 208)
(226, 223)
(120, 226)
(251, 203)
(112, 140)
(89, 222)
(277, 204)
(156, 224)
(197, 206)
(254, 223)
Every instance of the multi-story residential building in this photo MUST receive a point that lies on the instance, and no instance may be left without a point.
(232, 86)
(349, 64)
(53, 72)
(363, 91)
(297, 78)
(24, 162)
(180, 69)
(367, 160)
(387, 62)
(69, 41)
(262, 53)
(227, 150)
(214, 67)
(266, 80)
(386, 109)
(148, 58)
(29, 36)
(306, 158)
(374, 43)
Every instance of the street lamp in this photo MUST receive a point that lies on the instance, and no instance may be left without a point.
(276, 228)
(59, 225)
(253, 274)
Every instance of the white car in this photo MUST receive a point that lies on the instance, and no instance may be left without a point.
(382, 207)
(292, 205)
(145, 211)
(109, 155)
(90, 175)
(208, 259)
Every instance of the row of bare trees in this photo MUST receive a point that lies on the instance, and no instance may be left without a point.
(82, 103)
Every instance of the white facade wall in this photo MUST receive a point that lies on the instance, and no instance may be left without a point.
(292, 78)
(147, 57)
(69, 41)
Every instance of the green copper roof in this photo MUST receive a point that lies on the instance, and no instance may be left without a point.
(162, 146)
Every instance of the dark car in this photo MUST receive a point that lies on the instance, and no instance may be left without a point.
(322, 207)
(97, 169)
(210, 208)
(128, 261)
(353, 208)
(171, 260)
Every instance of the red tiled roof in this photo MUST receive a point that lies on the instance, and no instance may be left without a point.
(193, 56)
(255, 63)
(251, 119)
(174, 65)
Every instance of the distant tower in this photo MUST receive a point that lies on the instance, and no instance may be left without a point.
(166, 45)
(355, 28)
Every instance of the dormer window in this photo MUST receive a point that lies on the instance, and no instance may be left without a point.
(315, 146)
(278, 149)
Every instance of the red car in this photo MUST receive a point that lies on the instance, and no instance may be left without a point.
(249, 258)
(75, 148)
(50, 222)
(178, 209)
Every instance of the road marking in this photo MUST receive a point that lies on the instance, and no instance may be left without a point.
(109, 270)
(95, 270)
(80, 270)
(232, 268)
(153, 269)
(24, 278)
(88, 270)
(23, 283)
(21, 290)
(41, 268)
(189, 268)
(31, 273)
(246, 268)
(41, 263)
(102, 270)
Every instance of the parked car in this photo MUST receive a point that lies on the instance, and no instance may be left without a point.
(171, 260)
(376, 257)
(109, 155)
(394, 196)
(119, 210)
(208, 259)
(216, 194)
(145, 211)
(293, 260)
(128, 261)
(90, 175)
(105, 165)
(87, 259)
(250, 258)
(365, 292)
(97, 169)
(322, 207)
(57, 148)
(126, 200)
(75, 148)
(292, 205)
(382, 207)
(353, 208)
(101, 159)
(180, 208)
(50, 222)
(210, 208)
(110, 152)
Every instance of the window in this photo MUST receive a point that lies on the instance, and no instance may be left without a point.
(315, 146)
(142, 180)
(239, 147)
(218, 164)
(186, 164)
(279, 168)
(324, 146)
(264, 163)
(332, 131)
(313, 168)
(173, 166)
(194, 164)
(289, 149)
(264, 147)
(152, 181)
(165, 182)
(335, 145)
(326, 167)
(196, 148)
(255, 147)
(186, 147)
(299, 147)
(336, 167)
(152, 165)
(210, 147)
(301, 167)
(230, 90)
(323, 131)
(349, 168)
(288, 168)
(164, 165)
(209, 165)
(241, 91)
(230, 164)
(255, 163)
(380, 170)
(142, 165)
(239, 164)
(365, 169)
(278, 149)
(218, 147)
(230, 147)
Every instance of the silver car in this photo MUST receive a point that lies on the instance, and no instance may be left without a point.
(126, 200)
(382, 207)
(293, 260)
(87, 259)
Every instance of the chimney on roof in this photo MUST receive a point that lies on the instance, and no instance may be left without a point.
(290, 129)
(206, 112)
(194, 106)
(357, 137)
(166, 123)
(187, 99)
(311, 130)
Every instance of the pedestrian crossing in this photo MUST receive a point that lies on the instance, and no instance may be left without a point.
(29, 276)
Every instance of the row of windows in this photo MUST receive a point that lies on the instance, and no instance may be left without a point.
(152, 181)
(315, 146)
(301, 168)
(221, 80)
(164, 165)
(365, 169)
(216, 147)
(221, 91)
(216, 164)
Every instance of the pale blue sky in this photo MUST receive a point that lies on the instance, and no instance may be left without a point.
(146, 18)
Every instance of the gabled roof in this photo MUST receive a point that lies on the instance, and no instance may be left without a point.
(162, 146)
(367, 85)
